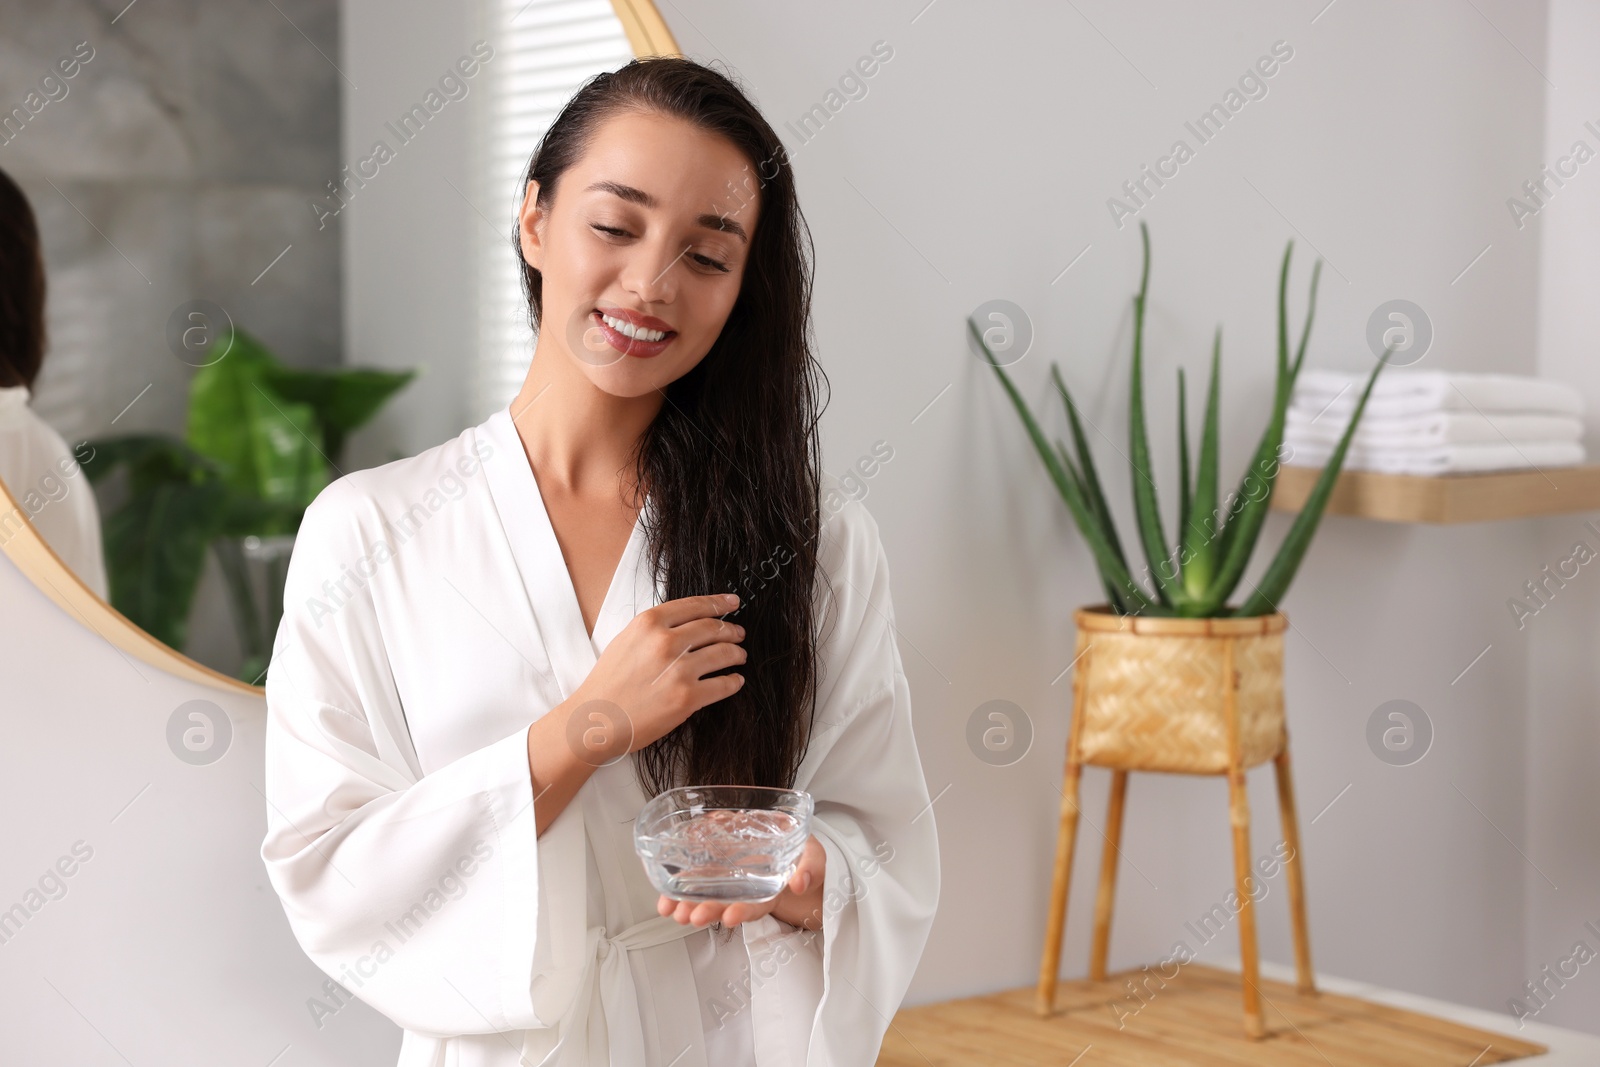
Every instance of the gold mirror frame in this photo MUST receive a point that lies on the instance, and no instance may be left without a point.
(647, 35)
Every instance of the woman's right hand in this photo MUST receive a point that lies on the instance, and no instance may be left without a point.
(652, 672)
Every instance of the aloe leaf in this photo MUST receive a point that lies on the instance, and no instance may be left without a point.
(1091, 476)
(1283, 314)
(1305, 333)
(1200, 543)
(1248, 508)
(1072, 468)
(1185, 494)
(1113, 598)
(1275, 582)
(1146, 506)
(1228, 530)
(1101, 516)
(1077, 479)
(1111, 571)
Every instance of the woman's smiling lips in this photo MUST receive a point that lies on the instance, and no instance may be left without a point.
(632, 346)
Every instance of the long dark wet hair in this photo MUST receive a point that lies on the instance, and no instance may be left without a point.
(732, 461)
(22, 329)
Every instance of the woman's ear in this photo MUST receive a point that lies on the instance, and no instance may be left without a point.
(530, 221)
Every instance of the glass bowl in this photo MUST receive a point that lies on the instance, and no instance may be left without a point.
(723, 843)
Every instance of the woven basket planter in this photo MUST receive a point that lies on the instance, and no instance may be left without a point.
(1153, 694)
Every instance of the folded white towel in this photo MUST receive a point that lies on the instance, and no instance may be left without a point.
(1447, 459)
(1431, 429)
(1407, 392)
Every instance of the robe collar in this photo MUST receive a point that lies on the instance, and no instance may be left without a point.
(545, 577)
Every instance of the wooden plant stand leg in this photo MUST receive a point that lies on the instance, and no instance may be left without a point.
(1250, 968)
(1239, 816)
(1108, 877)
(1305, 978)
(1066, 837)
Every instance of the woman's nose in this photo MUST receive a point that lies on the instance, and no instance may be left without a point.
(652, 271)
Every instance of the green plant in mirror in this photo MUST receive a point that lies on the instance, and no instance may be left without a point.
(261, 441)
(1195, 574)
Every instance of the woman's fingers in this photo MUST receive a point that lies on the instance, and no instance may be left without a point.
(714, 657)
(707, 912)
(681, 910)
(699, 633)
(797, 880)
(678, 612)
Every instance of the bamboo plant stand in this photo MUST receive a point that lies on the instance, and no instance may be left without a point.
(1187, 696)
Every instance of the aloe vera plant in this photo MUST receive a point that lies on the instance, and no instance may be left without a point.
(1201, 570)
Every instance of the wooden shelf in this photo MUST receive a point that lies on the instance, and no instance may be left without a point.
(1447, 498)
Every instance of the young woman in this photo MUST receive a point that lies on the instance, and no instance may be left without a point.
(494, 653)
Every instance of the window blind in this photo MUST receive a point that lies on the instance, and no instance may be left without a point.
(544, 50)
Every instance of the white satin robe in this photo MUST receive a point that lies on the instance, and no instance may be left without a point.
(50, 489)
(429, 619)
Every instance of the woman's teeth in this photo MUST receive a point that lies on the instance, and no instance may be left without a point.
(628, 329)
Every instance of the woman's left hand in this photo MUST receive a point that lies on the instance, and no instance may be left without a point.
(799, 903)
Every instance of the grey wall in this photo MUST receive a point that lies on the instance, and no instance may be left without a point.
(411, 231)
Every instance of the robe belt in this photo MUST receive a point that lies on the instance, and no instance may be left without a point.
(606, 971)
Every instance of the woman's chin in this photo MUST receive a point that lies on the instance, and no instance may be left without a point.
(623, 375)
(627, 378)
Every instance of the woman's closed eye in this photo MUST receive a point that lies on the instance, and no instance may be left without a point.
(703, 260)
(716, 265)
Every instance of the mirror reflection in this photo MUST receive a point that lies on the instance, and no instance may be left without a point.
(177, 195)
(42, 472)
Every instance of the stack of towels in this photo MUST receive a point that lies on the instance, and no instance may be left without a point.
(1434, 422)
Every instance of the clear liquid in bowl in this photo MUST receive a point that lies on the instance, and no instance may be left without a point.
(726, 854)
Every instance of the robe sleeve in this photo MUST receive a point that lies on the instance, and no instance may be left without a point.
(873, 814)
(418, 893)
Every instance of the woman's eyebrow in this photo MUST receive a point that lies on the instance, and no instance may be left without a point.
(709, 220)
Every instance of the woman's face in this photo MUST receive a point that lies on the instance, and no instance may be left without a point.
(649, 230)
